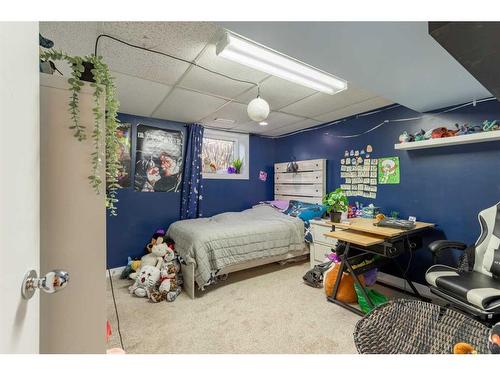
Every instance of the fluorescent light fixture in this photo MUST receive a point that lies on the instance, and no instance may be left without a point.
(263, 123)
(244, 51)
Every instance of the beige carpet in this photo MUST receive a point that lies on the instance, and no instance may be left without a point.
(264, 310)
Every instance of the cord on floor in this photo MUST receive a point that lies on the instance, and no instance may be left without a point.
(116, 310)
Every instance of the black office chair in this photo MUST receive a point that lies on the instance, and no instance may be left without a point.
(474, 286)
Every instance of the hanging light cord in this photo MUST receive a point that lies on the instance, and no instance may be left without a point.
(172, 57)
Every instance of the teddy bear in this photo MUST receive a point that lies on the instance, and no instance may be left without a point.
(146, 281)
(155, 258)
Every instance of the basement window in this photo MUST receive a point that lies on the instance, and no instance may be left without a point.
(220, 152)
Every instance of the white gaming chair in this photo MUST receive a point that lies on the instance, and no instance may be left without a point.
(475, 285)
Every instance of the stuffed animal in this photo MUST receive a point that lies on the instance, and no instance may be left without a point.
(132, 266)
(494, 339)
(155, 258)
(346, 292)
(146, 281)
(169, 282)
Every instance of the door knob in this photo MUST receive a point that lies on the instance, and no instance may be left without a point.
(52, 282)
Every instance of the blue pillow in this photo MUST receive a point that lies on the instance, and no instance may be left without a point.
(305, 211)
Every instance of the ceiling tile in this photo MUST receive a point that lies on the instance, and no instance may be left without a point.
(205, 81)
(182, 39)
(277, 92)
(138, 96)
(354, 109)
(231, 111)
(275, 120)
(302, 124)
(74, 38)
(187, 106)
(320, 103)
(143, 64)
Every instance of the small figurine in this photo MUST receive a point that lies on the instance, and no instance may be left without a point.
(405, 137)
(490, 125)
(419, 136)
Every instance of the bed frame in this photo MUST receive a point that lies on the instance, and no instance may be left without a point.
(307, 185)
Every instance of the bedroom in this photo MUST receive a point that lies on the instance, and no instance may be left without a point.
(244, 184)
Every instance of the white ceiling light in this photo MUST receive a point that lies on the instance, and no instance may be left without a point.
(258, 109)
(263, 123)
(257, 56)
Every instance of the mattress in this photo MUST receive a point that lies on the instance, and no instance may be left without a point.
(235, 237)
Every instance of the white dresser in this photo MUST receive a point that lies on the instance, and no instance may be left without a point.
(321, 245)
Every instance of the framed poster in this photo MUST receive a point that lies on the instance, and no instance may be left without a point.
(124, 154)
(388, 170)
(158, 161)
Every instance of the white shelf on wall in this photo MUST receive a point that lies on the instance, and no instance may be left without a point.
(450, 141)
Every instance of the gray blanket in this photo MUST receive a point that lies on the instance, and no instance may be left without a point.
(234, 237)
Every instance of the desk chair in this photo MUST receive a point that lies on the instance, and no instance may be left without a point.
(474, 286)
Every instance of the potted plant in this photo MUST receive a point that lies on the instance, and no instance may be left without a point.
(336, 203)
(235, 166)
(93, 69)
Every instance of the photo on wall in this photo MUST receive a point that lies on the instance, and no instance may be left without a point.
(123, 134)
(158, 166)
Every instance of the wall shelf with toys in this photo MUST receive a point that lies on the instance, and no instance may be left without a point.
(450, 141)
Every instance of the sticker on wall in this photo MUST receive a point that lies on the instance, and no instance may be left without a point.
(346, 153)
(369, 148)
(351, 153)
(356, 153)
(159, 160)
(388, 170)
(262, 176)
(342, 161)
(362, 152)
(124, 151)
(347, 161)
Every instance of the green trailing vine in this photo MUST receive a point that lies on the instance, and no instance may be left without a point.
(103, 85)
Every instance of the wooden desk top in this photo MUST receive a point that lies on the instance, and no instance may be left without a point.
(356, 237)
(360, 224)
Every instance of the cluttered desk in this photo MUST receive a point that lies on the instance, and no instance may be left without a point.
(376, 242)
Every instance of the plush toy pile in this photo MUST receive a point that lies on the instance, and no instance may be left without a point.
(157, 274)
(443, 132)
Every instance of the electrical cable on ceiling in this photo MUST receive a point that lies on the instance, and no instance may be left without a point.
(172, 57)
(116, 310)
(424, 116)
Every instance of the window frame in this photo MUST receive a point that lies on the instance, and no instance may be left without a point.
(242, 148)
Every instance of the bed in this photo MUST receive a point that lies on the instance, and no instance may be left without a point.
(214, 247)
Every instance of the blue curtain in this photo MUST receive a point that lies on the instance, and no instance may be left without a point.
(191, 180)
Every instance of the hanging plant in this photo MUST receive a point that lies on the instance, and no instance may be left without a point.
(103, 85)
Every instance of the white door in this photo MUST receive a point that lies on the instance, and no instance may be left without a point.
(19, 184)
(50, 218)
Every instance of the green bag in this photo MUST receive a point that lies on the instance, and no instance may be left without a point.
(376, 298)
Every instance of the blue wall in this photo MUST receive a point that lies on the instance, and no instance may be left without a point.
(140, 214)
(447, 186)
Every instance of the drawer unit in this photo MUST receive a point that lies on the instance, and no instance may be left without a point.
(322, 245)
(319, 253)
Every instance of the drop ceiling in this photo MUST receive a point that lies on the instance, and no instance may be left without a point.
(157, 86)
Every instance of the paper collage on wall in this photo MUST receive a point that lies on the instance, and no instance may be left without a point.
(359, 172)
(159, 161)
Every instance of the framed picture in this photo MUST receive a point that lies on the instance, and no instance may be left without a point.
(159, 161)
(124, 154)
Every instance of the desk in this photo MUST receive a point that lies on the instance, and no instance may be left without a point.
(388, 243)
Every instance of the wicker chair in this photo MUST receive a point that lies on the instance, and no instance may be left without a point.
(415, 327)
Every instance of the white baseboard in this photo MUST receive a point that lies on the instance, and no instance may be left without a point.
(401, 283)
(115, 271)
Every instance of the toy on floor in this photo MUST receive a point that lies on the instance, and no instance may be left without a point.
(346, 292)
(464, 348)
(134, 264)
(145, 282)
(155, 258)
(170, 280)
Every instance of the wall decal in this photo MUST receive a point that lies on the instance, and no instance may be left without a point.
(159, 160)
(263, 176)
